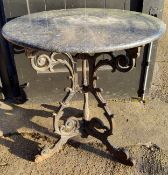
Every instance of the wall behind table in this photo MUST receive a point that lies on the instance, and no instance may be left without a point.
(42, 87)
(159, 87)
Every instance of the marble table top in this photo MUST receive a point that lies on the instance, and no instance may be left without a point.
(83, 30)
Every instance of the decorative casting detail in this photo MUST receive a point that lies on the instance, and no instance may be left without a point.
(74, 126)
(42, 62)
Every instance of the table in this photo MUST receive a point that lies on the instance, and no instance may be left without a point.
(84, 34)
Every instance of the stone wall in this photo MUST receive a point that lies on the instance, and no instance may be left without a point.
(159, 88)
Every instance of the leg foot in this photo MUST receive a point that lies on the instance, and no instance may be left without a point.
(122, 155)
(50, 151)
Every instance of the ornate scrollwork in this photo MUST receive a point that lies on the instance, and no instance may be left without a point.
(70, 128)
(47, 62)
(40, 62)
(44, 62)
(122, 63)
(73, 126)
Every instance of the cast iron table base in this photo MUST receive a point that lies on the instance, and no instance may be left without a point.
(85, 126)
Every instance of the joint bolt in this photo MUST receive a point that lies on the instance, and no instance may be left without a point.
(69, 77)
(67, 89)
(96, 78)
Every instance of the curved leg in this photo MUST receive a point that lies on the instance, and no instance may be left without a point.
(50, 151)
(69, 129)
(94, 125)
(103, 104)
(120, 154)
(72, 126)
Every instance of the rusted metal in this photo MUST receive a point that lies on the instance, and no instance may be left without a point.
(86, 95)
(84, 126)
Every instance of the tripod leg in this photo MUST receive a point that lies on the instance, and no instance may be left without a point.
(48, 152)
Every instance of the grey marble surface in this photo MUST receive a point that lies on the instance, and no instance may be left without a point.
(83, 30)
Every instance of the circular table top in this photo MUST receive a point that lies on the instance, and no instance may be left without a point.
(83, 30)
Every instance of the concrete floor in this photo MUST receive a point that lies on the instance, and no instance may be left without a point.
(136, 124)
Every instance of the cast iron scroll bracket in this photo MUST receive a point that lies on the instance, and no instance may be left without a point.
(74, 126)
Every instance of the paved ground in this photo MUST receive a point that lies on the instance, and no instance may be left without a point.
(135, 125)
(89, 159)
